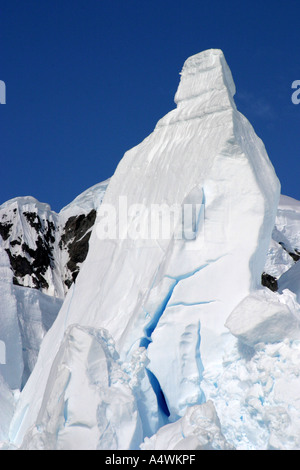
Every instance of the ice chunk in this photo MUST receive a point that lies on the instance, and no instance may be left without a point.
(265, 317)
(198, 429)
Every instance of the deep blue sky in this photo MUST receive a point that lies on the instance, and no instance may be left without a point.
(88, 79)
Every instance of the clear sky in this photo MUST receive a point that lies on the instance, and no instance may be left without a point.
(87, 80)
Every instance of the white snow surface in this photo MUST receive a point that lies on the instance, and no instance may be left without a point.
(173, 343)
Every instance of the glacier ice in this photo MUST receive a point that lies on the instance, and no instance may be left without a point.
(198, 429)
(176, 334)
(86, 366)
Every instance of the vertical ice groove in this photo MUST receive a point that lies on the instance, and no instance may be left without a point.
(198, 353)
(150, 327)
(161, 400)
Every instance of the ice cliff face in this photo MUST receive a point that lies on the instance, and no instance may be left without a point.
(163, 340)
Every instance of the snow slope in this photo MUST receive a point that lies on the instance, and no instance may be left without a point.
(164, 302)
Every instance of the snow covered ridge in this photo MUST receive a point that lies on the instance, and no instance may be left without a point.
(46, 249)
(176, 344)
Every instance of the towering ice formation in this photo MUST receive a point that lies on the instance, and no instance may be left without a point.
(163, 300)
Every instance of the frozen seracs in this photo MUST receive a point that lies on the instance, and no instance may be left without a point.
(175, 310)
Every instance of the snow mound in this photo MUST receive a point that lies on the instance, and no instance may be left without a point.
(256, 395)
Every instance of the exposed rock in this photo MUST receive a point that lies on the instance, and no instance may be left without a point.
(269, 281)
(5, 230)
(75, 238)
(35, 240)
